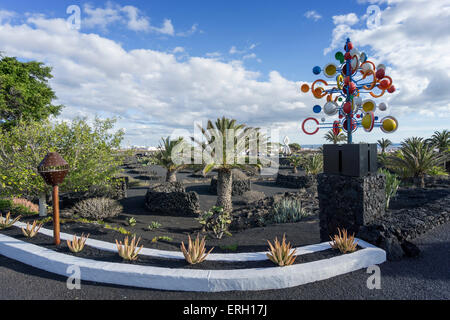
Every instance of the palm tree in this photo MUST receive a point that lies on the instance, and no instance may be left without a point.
(415, 158)
(384, 144)
(335, 139)
(295, 161)
(440, 140)
(165, 157)
(224, 160)
(313, 164)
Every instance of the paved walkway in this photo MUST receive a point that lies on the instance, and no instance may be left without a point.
(426, 277)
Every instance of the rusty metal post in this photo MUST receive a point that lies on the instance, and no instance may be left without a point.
(54, 169)
(56, 228)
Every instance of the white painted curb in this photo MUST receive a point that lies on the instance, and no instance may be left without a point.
(248, 256)
(187, 279)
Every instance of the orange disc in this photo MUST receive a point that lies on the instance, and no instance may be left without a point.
(305, 88)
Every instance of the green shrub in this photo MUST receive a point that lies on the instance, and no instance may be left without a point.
(216, 221)
(6, 204)
(392, 184)
(154, 225)
(97, 208)
(288, 210)
(131, 221)
(18, 206)
(24, 207)
(313, 164)
(437, 171)
(164, 238)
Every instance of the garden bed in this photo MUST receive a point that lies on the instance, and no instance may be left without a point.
(89, 252)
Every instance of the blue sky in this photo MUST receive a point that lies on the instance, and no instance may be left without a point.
(196, 60)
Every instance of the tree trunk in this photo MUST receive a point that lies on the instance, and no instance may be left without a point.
(42, 205)
(422, 181)
(224, 190)
(171, 176)
(294, 170)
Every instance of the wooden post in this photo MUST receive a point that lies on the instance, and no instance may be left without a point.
(56, 215)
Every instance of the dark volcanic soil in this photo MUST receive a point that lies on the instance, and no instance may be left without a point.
(100, 255)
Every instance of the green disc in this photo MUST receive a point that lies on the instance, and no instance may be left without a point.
(339, 56)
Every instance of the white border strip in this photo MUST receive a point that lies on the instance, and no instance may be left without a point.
(188, 279)
(247, 256)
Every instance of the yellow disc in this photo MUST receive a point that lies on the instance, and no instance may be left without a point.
(368, 105)
(389, 125)
(366, 121)
(330, 70)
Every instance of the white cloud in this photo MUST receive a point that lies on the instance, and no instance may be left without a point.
(151, 91)
(178, 50)
(190, 32)
(130, 16)
(312, 14)
(413, 39)
(348, 19)
(135, 21)
(101, 17)
(6, 16)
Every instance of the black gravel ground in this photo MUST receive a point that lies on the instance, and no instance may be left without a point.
(107, 256)
(425, 277)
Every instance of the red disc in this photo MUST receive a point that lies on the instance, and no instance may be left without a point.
(352, 87)
(353, 124)
(347, 107)
(348, 56)
(383, 84)
(348, 46)
(336, 128)
(380, 74)
(308, 119)
(346, 81)
(391, 89)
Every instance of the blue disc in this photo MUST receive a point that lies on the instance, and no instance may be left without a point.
(376, 118)
(317, 109)
(317, 70)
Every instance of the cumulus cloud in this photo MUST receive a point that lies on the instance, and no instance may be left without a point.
(413, 39)
(131, 17)
(151, 91)
(348, 19)
(6, 16)
(312, 14)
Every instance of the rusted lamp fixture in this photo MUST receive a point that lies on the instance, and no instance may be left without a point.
(54, 169)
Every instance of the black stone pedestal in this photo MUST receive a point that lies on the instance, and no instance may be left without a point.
(349, 202)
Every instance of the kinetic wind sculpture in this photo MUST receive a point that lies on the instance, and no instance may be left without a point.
(354, 76)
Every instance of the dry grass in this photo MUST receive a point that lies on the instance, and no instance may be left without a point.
(129, 251)
(195, 252)
(343, 242)
(31, 230)
(7, 221)
(282, 253)
(77, 244)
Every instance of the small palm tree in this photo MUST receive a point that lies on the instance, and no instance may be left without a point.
(415, 158)
(440, 140)
(295, 161)
(335, 139)
(220, 157)
(313, 164)
(384, 144)
(165, 154)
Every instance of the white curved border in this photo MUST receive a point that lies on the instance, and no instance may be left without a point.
(187, 279)
(248, 256)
